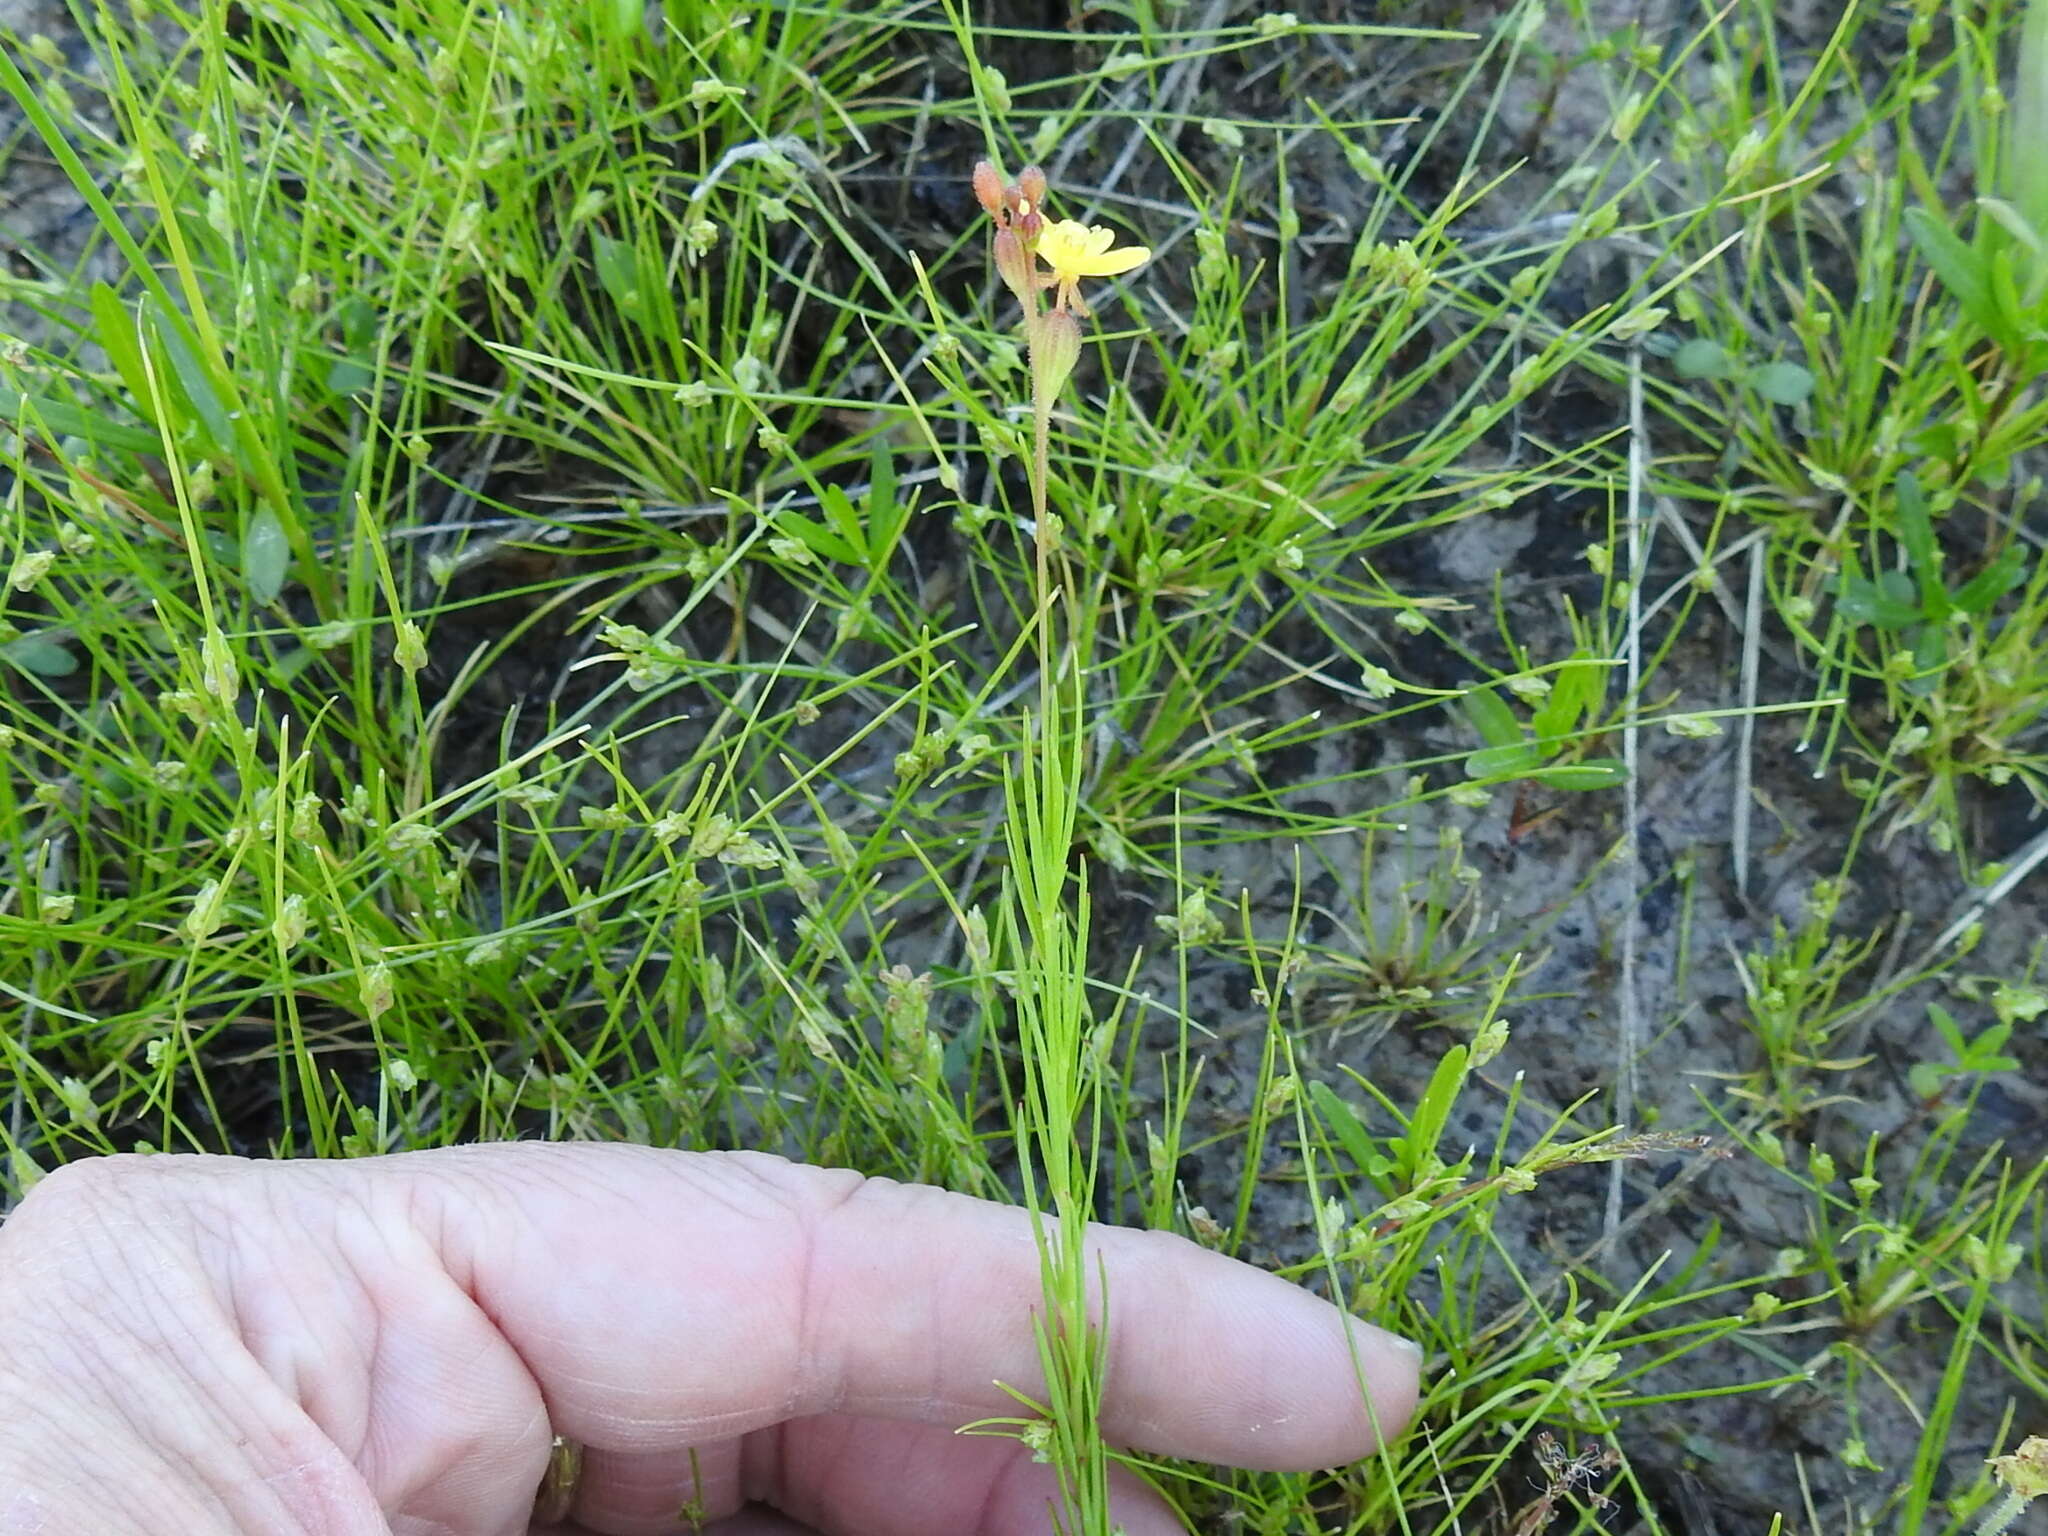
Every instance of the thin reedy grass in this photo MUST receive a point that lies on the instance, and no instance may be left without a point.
(527, 616)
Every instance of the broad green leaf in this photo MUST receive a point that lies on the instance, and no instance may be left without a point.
(266, 555)
(618, 270)
(358, 317)
(1504, 762)
(1576, 689)
(114, 324)
(39, 655)
(1593, 773)
(355, 370)
(193, 383)
(819, 539)
(1944, 1022)
(1491, 718)
(348, 376)
(2024, 163)
(887, 516)
(1937, 440)
(622, 18)
(881, 477)
(1930, 655)
(1890, 602)
(1781, 383)
(292, 665)
(1703, 358)
(2016, 324)
(2009, 219)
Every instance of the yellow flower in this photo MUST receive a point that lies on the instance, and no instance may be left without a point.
(1074, 251)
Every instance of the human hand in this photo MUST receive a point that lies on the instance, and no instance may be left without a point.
(205, 1346)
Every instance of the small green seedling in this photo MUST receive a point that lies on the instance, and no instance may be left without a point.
(1544, 750)
(1774, 379)
(1914, 603)
(1978, 1057)
(1999, 276)
(864, 536)
(1410, 1161)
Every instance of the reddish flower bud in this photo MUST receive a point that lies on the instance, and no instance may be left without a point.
(1014, 266)
(988, 189)
(1031, 184)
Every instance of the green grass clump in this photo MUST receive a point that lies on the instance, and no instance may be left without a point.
(535, 608)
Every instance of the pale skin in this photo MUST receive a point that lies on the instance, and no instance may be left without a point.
(210, 1346)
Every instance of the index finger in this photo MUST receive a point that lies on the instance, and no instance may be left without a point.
(664, 1299)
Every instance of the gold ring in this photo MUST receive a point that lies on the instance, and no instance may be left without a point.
(556, 1496)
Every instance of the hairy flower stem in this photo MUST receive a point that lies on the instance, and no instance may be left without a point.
(2024, 1472)
(1053, 339)
(2002, 1514)
(1041, 506)
(1041, 470)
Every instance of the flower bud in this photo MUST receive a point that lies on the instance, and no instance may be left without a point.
(988, 189)
(1013, 265)
(1031, 186)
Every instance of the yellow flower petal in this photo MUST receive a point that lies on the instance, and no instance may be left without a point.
(1074, 251)
(1113, 262)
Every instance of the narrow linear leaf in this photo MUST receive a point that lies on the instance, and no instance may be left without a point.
(1923, 555)
(1343, 1124)
(1956, 264)
(69, 421)
(1981, 591)
(1433, 1110)
(840, 514)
